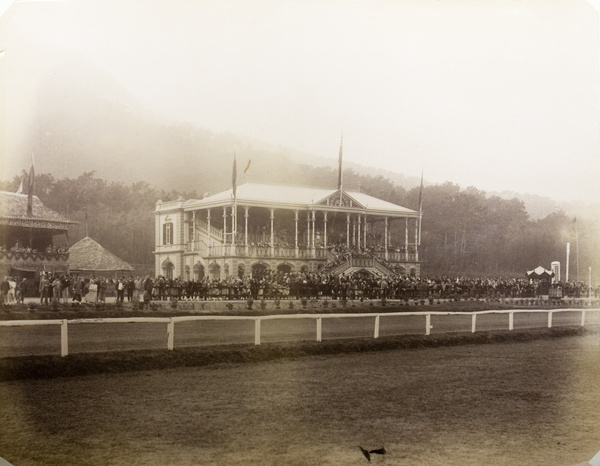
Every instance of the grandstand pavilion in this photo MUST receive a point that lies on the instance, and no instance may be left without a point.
(28, 236)
(258, 227)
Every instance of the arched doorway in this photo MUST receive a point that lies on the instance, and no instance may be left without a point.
(241, 270)
(167, 269)
(259, 270)
(214, 271)
(399, 270)
(198, 272)
(284, 268)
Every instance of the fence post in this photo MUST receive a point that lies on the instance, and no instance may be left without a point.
(582, 317)
(473, 322)
(376, 333)
(319, 328)
(511, 320)
(64, 338)
(549, 319)
(170, 334)
(257, 331)
(428, 324)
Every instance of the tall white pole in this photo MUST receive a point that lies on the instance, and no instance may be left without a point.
(567, 268)
(577, 250)
(590, 285)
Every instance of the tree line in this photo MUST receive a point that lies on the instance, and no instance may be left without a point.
(464, 231)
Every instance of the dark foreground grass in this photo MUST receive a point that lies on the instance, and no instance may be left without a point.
(41, 367)
(527, 398)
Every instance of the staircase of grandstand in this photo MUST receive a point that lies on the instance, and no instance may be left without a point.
(355, 264)
(202, 229)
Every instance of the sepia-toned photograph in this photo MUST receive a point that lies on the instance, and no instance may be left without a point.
(300, 232)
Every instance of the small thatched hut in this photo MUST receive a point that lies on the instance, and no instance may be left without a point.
(88, 258)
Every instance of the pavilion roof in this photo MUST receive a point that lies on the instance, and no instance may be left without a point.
(373, 203)
(295, 196)
(13, 212)
(89, 256)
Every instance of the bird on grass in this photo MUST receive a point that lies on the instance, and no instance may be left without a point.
(366, 453)
(378, 451)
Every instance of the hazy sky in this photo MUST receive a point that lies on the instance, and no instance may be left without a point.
(499, 94)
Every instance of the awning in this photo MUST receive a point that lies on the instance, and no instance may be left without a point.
(540, 272)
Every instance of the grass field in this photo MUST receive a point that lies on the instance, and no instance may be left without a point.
(514, 403)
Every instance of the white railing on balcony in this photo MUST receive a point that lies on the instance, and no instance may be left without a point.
(226, 250)
(396, 256)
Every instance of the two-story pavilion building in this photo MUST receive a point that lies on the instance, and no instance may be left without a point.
(29, 232)
(285, 228)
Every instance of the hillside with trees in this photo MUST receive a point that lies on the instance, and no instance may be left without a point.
(115, 159)
(464, 231)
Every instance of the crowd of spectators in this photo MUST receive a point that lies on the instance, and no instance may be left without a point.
(299, 285)
(18, 247)
(62, 288)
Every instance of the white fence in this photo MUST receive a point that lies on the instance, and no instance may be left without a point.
(170, 321)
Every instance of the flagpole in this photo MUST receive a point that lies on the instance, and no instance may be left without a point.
(340, 172)
(567, 267)
(234, 209)
(590, 285)
(420, 208)
(577, 248)
(30, 187)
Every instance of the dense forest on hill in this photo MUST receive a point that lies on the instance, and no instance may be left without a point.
(464, 231)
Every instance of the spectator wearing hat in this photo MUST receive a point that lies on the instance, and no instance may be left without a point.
(44, 289)
(4, 288)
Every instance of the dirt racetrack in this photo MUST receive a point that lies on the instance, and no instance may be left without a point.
(518, 402)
